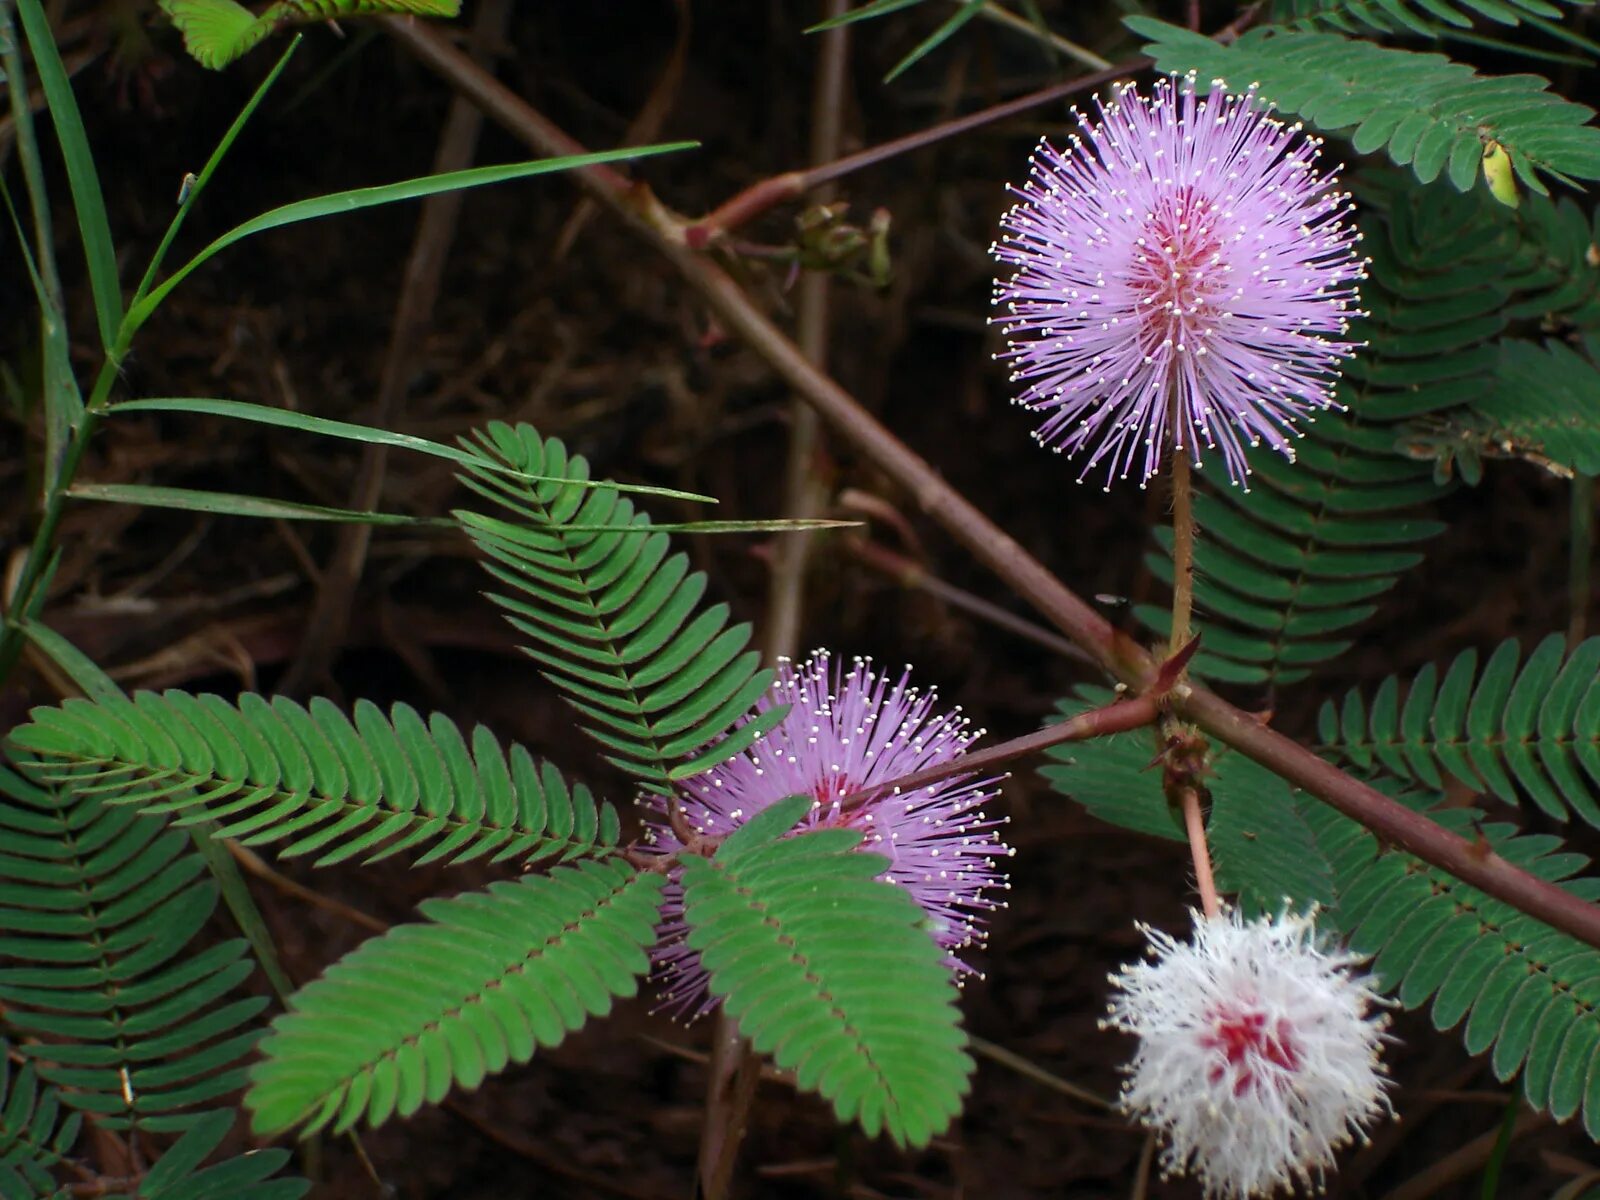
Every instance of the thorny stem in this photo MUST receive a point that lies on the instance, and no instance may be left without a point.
(778, 189)
(1120, 655)
(1194, 824)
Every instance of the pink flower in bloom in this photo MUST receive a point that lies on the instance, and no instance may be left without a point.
(1184, 274)
(1258, 1051)
(845, 732)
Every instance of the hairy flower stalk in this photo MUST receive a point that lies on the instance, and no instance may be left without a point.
(1258, 1051)
(1184, 275)
(844, 732)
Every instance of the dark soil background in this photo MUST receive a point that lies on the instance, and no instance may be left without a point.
(565, 320)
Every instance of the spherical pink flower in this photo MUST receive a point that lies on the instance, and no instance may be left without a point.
(1184, 274)
(1258, 1051)
(845, 732)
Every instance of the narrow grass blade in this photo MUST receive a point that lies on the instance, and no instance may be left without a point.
(261, 414)
(230, 504)
(878, 8)
(389, 193)
(87, 199)
(968, 10)
(210, 169)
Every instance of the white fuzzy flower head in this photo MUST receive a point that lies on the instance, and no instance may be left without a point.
(1258, 1051)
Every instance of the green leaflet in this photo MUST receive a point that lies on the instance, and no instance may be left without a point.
(215, 32)
(829, 970)
(316, 780)
(36, 1131)
(98, 907)
(1430, 113)
(491, 976)
(1532, 734)
(611, 617)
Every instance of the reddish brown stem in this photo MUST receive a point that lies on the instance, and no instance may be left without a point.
(1099, 722)
(1117, 653)
(778, 189)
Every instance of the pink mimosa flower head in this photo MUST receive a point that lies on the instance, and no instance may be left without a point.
(1184, 276)
(845, 731)
(1258, 1051)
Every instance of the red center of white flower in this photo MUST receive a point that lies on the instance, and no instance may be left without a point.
(1248, 1045)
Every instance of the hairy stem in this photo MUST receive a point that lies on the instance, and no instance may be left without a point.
(1204, 881)
(1119, 654)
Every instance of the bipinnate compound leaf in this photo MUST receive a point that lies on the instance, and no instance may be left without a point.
(316, 781)
(1520, 735)
(426, 1007)
(1432, 114)
(612, 618)
(1427, 18)
(215, 32)
(37, 1131)
(1524, 993)
(102, 989)
(830, 971)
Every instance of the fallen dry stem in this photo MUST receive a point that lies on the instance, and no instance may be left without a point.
(1120, 655)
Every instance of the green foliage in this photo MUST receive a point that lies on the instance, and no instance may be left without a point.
(1541, 409)
(179, 1174)
(216, 32)
(1432, 114)
(1528, 994)
(1425, 18)
(491, 976)
(279, 772)
(610, 615)
(1453, 278)
(98, 906)
(1531, 734)
(36, 1132)
(830, 971)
